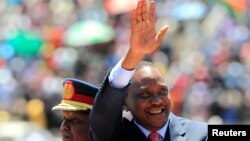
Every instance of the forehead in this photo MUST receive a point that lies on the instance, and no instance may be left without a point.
(147, 78)
(75, 114)
(147, 73)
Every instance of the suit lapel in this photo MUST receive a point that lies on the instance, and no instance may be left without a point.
(132, 131)
(167, 135)
(177, 131)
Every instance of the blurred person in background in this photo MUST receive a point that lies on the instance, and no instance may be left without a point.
(78, 97)
(148, 97)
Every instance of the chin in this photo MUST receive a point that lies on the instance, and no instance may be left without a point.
(66, 139)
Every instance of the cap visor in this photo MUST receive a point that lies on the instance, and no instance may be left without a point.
(66, 105)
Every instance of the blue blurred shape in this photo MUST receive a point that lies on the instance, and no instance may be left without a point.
(189, 11)
(6, 51)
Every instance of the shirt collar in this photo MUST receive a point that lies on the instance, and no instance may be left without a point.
(146, 132)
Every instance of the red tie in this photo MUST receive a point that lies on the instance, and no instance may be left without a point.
(153, 136)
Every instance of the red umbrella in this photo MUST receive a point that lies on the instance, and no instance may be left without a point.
(54, 35)
(238, 5)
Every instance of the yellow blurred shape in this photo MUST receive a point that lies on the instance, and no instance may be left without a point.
(4, 116)
(35, 112)
(162, 67)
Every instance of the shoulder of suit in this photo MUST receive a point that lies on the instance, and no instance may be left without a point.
(186, 121)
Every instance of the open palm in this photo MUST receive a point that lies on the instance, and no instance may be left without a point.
(144, 38)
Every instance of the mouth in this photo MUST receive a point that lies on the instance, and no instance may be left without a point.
(155, 111)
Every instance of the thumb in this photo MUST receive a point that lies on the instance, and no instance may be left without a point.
(160, 35)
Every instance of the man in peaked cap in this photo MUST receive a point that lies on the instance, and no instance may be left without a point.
(78, 98)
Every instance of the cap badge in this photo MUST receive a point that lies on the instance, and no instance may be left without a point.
(69, 90)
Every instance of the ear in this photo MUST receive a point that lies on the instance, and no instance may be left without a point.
(170, 96)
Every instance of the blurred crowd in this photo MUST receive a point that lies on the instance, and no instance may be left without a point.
(205, 55)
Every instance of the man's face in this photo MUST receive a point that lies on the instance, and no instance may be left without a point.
(75, 126)
(148, 98)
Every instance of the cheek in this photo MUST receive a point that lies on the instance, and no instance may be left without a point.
(80, 131)
(168, 102)
(140, 105)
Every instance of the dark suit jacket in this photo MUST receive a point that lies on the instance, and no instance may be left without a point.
(107, 124)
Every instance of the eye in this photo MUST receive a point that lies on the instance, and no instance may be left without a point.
(64, 119)
(145, 95)
(75, 121)
(164, 92)
(71, 121)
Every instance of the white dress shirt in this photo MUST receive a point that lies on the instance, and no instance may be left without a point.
(119, 77)
(161, 132)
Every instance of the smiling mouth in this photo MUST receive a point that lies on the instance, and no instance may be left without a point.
(155, 112)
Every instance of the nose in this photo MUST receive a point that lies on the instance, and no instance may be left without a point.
(156, 100)
(64, 126)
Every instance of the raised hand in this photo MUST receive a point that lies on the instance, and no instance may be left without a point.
(143, 35)
(144, 39)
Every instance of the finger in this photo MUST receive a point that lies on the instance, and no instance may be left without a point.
(139, 11)
(133, 17)
(152, 11)
(144, 24)
(144, 10)
(160, 35)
